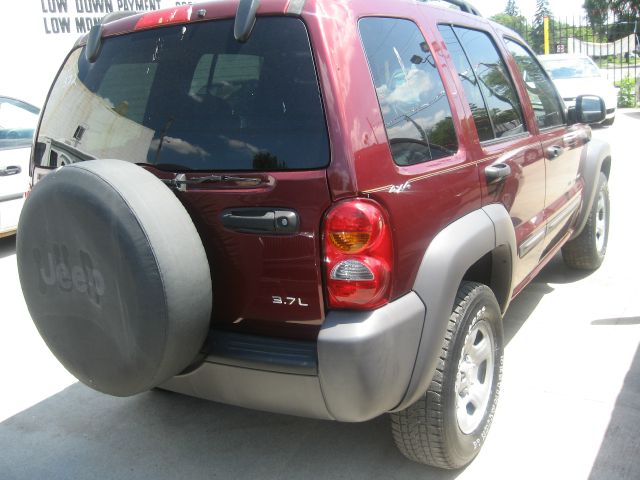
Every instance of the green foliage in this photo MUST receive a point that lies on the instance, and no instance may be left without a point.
(626, 12)
(517, 23)
(627, 92)
(597, 10)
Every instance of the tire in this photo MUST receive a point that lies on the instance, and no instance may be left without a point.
(114, 275)
(588, 249)
(608, 122)
(444, 428)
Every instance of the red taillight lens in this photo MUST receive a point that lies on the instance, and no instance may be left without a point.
(165, 17)
(358, 255)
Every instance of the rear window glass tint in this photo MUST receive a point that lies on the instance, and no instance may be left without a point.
(192, 98)
(414, 105)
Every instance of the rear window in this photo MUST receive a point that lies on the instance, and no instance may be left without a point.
(191, 98)
(571, 68)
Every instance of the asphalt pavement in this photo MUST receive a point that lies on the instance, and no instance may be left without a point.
(569, 406)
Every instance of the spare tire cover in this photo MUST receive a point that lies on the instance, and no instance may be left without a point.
(114, 275)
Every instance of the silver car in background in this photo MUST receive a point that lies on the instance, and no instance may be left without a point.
(18, 121)
(577, 74)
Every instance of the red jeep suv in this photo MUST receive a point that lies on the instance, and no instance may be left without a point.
(314, 207)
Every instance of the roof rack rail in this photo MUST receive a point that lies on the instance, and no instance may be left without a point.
(462, 5)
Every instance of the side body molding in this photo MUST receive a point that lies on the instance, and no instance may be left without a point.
(596, 154)
(456, 248)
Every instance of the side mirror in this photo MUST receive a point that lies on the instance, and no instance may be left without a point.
(588, 109)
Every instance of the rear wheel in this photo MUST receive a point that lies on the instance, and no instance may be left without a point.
(587, 250)
(447, 426)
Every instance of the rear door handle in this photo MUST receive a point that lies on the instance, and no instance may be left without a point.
(554, 151)
(497, 172)
(10, 170)
(261, 220)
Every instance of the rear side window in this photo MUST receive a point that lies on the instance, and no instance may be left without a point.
(414, 105)
(486, 81)
(190, 97)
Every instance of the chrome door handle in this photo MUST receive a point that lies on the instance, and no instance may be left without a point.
(554, 151)
(497, 172)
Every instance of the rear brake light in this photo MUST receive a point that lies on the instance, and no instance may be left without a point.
(165, 17)
(358, 255)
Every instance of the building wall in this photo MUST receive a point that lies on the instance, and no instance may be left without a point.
(36, 36)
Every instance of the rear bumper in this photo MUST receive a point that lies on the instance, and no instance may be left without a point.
(363, 365)
(8, 232)
(611, 112)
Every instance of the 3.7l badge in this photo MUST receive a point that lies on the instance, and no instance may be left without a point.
(289, 301)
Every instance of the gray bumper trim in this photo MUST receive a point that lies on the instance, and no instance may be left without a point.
(365, 359)
(365, 362)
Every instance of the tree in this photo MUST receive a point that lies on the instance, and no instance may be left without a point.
(512, 9)
(537, 33)
(542, 10)
(517, 23)
(597, 10)
(512, 18)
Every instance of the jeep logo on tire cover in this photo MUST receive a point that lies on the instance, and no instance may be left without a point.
(56, 269)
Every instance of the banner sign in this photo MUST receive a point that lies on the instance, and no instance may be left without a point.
(78, 16)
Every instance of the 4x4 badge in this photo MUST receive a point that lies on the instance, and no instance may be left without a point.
(400, 188)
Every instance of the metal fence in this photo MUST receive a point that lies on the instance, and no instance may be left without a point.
(615, 47)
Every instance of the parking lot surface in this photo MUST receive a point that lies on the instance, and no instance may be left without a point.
(569, 407)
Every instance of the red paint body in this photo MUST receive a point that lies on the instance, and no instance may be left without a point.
(249, 270)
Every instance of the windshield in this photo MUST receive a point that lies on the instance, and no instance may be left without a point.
(571, 68)
(191, 98)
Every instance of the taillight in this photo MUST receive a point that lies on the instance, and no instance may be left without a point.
(358, 255)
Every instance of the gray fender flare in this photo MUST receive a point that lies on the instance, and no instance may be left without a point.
(456, 248)
(596, 152)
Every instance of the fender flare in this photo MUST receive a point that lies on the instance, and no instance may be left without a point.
(456, 248)
(596, 153)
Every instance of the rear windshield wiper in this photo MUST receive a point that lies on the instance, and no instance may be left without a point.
(181, 180)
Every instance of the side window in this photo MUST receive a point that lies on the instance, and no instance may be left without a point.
(545, 102)
(17, 123)
(414, 105)
(490, 77)
(469, 82)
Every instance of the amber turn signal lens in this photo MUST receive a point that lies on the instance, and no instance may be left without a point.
(349, 242)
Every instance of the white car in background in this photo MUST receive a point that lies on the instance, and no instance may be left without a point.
(18, 120)
(577, 74)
